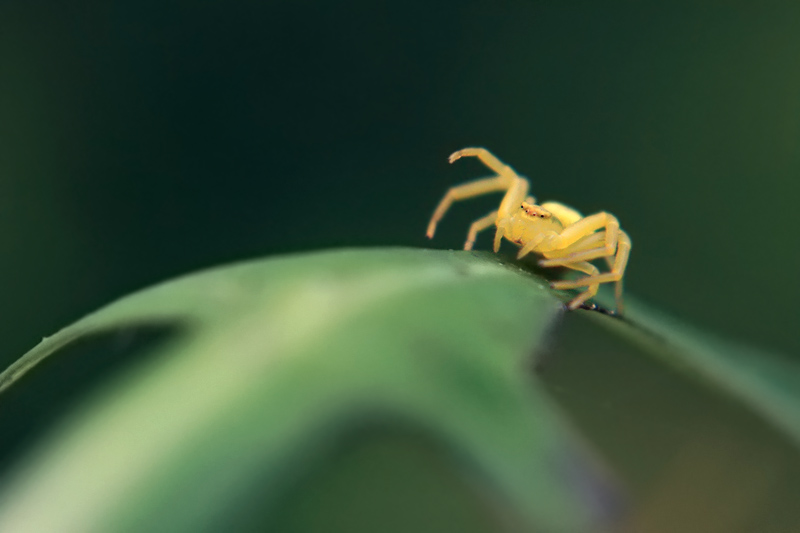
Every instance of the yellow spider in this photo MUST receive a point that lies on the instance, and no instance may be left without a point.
(563, 236)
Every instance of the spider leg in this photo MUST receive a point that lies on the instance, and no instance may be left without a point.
(587, 226)
(615, 275)
(516, 188)
(487, 158)
(479, 225)
(573, 233)
(620, 262)
(619, 265)
(590, 242)
(618, 285)
(533, 243)
(591, 290)
(468, 190)
(502, 224)
(557, 258)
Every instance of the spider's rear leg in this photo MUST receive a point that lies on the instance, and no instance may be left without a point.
(615, 275)
(591, 290)
(591, 245)
(591, 238)
(581, 241)
(618, 263)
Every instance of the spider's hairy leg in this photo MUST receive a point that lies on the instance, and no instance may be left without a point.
(513, 199)
(617, 270)
(508, 206)
(467, 190)
(620, 263)
(531, 244)
(502, 225)
(479, 225)
(616, 274)
(591, 290)
(487, 158)
(517, 189)
(590, 242)
(573, 233)
(618, 285)
(588, 225)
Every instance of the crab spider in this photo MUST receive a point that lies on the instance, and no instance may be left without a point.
(560, 234)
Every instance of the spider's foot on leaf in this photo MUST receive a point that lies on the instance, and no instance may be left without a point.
(599, 309)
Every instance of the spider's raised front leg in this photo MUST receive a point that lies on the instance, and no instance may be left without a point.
(506, 180)
(487, 158)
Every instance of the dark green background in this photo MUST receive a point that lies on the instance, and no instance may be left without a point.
(143, 139)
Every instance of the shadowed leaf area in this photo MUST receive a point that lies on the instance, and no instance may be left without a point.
(381, 477)
(695, 458)
(57, 385)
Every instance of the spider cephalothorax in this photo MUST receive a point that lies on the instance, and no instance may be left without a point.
(560, 234)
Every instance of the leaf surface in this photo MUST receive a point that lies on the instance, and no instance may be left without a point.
(767, 383)
(277, 361)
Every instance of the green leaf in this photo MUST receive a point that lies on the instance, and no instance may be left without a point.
(276, 363)
(767, 383)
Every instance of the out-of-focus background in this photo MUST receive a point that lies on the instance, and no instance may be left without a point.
(140, 140)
